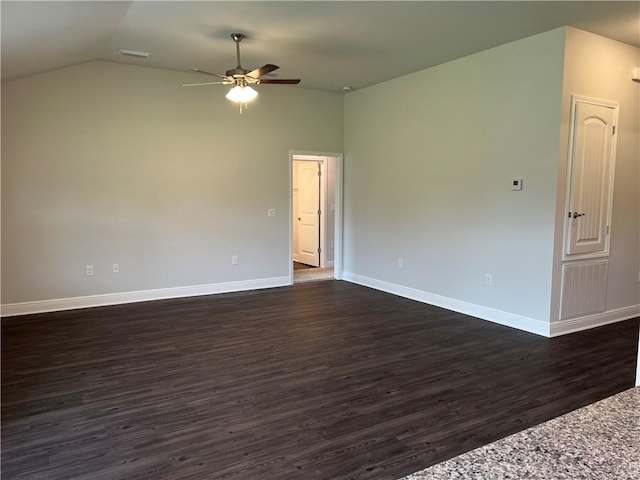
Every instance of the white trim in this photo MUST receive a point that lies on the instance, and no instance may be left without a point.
(324, 208)
(595, 101)
(40, 306)
(520, 322)
(562, 327)
(290, 219)
(337, 232)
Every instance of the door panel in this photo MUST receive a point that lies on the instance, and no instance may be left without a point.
(584, 288)
(591, 175)
(308, 218)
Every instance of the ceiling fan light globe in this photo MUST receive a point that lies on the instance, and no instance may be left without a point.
(240, 94)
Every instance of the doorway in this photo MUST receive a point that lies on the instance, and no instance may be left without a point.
(315, 216)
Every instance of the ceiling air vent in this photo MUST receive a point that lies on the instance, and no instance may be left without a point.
(134, 53)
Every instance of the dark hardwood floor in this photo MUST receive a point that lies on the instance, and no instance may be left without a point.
(317, 381)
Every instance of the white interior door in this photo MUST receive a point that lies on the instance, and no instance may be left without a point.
(591, 178)
(307, 222)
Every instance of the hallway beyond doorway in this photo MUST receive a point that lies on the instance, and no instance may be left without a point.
(311, 274)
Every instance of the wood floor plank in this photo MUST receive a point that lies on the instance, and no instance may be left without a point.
(318, 381)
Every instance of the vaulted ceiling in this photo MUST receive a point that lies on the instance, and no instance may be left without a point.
(329, 44)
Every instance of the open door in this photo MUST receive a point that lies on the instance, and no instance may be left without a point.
(306, 209)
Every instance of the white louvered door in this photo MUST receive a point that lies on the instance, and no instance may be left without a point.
(591, 178)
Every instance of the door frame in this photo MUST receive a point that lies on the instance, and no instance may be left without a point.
(337, 201)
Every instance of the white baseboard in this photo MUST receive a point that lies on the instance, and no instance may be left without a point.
(527, 324)
(41, 306)
(638, 366)
(562, 327)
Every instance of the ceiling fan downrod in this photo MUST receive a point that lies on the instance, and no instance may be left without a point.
(237, 38)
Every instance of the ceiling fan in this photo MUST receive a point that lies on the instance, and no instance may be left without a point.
(242, 79)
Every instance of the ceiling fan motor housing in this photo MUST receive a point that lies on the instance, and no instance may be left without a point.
(237, 72)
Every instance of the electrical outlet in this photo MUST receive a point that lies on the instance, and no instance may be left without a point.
(89, 270)
(234, 260)
(115, 268)
(400, 262)
(488, 279)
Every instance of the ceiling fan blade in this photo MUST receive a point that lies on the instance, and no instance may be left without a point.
(197, 70)
(284, 81)
(258, 72)
(206, 83)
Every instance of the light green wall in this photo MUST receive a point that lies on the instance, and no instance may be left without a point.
(601, 68)
(429, 160)
(106, 163)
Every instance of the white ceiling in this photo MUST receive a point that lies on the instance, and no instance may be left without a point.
(329, 44)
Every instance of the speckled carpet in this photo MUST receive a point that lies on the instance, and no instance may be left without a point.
(600, 441)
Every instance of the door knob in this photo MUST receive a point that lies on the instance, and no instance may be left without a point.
(576, 214)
